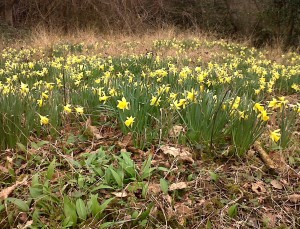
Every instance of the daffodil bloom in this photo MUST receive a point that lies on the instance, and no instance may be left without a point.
(242, 115)
(45, 95)
(182, 102)
(192, 95)
(258, 107)
(129, 121)
(44, 120)
(79, 110)
(175, 104)
(24, 88)
(103, 98)
(236, 102)
(173, 96)
(67, 109)
(40, 102)
(123, 104)
(275, 135)
(154, 101)
(264, 115)
(273, 103)
(113, 92)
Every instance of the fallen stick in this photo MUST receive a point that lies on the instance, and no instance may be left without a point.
(264, 156)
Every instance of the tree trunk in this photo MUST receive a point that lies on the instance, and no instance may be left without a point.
(8, 11)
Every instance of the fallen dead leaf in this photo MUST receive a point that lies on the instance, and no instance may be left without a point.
(182, 209)
(183, 212)
(258, 187)
(120, 194)
(92, 130)
(28, 224)
(154, 188)
(176, 131)
(294, 198)
(170, 213)
(168, 198)
(7, 191)
(3, 169)
(276, 184)
(182, 154)
(126, 141)
(176, 186)
(270, 219)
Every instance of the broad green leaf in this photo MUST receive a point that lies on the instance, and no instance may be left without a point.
(34, 145)
(146, 168)
(2, 207)
(208, 225)
(41, 143)
(102, 186)
(36, 192)
(21, 147)
(147, 164)
(21, 204)
(36, 215)
(164, 185)
(145, 190)
(214, 177)
(164, 169)
(81, 181)
(106, 225)
(81, 209)
(35, 180)
(94, 205)
(146, 213)
(134, 215)
(117, 177)
(70, 211)
(233, 210)
(51, 169)
(104, 205)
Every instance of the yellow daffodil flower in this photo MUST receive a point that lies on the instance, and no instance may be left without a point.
(129, 121)
(44, 120)
(79, 110)
(155, 101)
(275, 135)
(123, 104)
(67, 108)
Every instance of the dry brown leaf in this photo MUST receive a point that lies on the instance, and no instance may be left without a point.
(182, 154)
(120, 194)
(28, 224)
(182, 209)
(270, 219)
(294, 198)
(258, 187)
(175, 152)
(276, 184)
(168, 198)
(92, 130)
(126, 141)
(154, 188)
(183, 212)
(176, 131)
(7, 191)
(3, 169)
(170, 213)
(176, 186)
